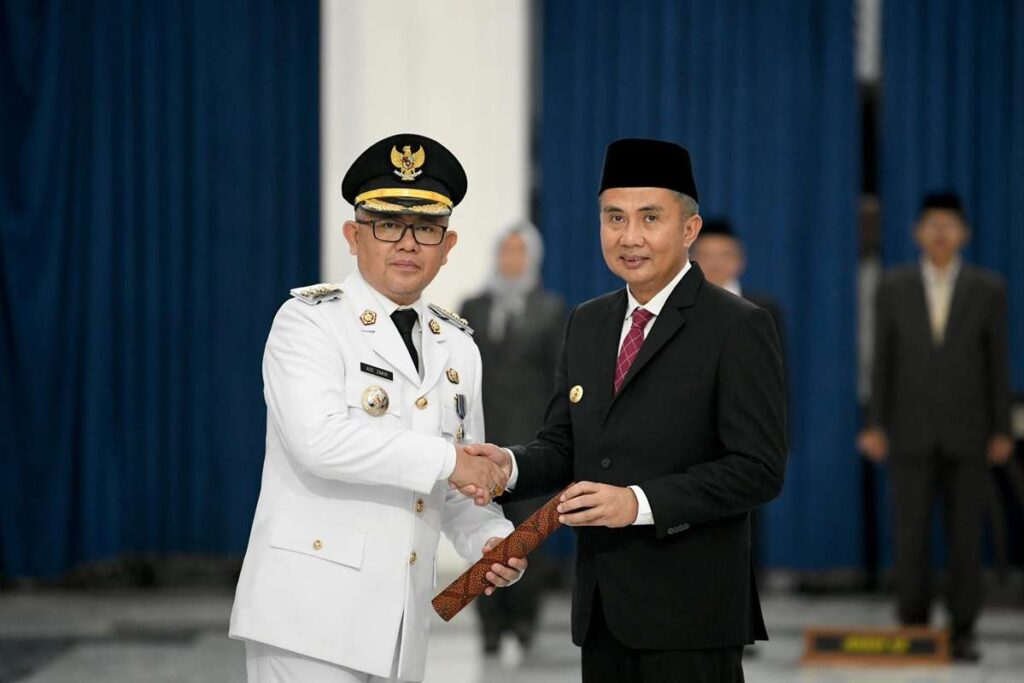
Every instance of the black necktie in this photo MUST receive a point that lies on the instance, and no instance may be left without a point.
(405, 319)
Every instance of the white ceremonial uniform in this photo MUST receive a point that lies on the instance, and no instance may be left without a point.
(341, 559)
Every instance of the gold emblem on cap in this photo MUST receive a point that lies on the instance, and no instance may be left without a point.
(368, 317)
(435, 326)
(375, 400)
(407, 163)
(453, 375)
(576, 394)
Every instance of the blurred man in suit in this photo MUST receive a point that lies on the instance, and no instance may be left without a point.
(669, 414)
(940, 405)
(722, 258)
(519, 336)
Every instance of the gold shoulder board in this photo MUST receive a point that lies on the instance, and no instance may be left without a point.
(315, 294)
(458, 321)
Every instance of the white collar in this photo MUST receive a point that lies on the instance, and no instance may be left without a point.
(657, 301)
(733, 286)
(386, 304)
(934, 275)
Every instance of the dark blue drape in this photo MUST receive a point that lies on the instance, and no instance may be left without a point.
(158, 197)
(953, 117)
(763, 95)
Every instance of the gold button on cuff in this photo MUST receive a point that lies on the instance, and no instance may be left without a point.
(419, 505)
(317, 544)
(412, 558)
(422, 402)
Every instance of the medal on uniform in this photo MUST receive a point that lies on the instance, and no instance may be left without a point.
(460, 410)
(453, 375)
(375, 400)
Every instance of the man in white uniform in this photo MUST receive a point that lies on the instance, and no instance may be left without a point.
(370, 395)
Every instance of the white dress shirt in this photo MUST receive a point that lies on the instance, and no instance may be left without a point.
(644, 513)
(938, 293)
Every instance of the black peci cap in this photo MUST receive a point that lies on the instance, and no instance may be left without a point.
(405, 173)
(635, 162)
(944, 199)
(717, 226)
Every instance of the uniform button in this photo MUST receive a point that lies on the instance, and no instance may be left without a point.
(606, 463)
(421, 402)
(412, 558)
(317, 544)
(419, 505)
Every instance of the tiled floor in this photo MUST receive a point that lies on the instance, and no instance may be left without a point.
(179, 636)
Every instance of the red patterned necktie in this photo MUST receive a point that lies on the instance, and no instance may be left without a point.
(631, 345)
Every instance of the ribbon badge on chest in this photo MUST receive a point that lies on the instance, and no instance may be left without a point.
(460, 410)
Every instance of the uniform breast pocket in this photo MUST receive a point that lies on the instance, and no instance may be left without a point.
(373, 400)
(319, 539)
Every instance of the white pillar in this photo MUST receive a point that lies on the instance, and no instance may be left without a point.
(455, 70)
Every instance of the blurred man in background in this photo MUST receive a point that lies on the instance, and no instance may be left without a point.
(721, 256)
(519, 334)
(370, 393)
(940, 405)
(723, 259)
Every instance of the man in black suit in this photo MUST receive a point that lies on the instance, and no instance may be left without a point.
(669, 414)
(940, 404)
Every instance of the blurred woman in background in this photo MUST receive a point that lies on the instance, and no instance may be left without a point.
(519, 329)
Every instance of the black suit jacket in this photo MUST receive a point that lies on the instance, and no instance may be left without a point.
(947, 398)
(520, 367)
(699, 425)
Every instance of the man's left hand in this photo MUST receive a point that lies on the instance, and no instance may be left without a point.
(1000, 448)
(588, 504)
(500, 575)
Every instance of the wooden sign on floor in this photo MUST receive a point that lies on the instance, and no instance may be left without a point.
(846, 646)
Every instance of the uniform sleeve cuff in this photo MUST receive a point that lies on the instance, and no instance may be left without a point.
(448, 466)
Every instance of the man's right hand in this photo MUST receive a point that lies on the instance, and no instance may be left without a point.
(499, 456)
(479, 478)
(873, 444)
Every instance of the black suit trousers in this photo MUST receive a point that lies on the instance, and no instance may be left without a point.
(606, 660)
(960, 485)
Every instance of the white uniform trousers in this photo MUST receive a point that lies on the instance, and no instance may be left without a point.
(268, 664)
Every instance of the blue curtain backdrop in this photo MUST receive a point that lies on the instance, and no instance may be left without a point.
(764, 96)
(158, 197)
(953, 117)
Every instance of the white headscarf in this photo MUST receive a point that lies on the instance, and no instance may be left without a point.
(509, 295)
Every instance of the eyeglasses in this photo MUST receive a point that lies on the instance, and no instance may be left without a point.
(391, 230)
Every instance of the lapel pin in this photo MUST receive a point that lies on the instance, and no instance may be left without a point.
(435, 326)
(368, 317)
(453, 375)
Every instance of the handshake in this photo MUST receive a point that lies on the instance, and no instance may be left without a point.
(481, 472)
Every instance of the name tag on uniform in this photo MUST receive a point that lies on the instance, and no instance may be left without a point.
(377, 372)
